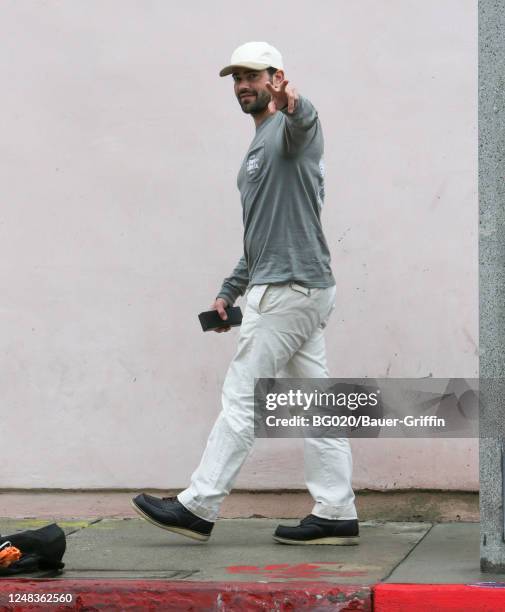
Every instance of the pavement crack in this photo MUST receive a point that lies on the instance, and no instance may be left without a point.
(83, 527)
(386, 577)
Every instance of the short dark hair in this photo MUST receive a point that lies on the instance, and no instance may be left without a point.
(271, 71)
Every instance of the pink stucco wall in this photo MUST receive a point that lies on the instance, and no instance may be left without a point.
(120, 217)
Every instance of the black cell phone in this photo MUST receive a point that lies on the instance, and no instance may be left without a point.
(210, 319)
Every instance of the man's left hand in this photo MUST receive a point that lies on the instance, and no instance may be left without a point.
(282, 95)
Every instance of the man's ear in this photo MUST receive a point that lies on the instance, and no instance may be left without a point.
(278, 77)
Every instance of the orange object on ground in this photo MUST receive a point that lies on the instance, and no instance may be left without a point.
(9, 555)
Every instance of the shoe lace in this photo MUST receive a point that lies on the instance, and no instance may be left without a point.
(173, 498)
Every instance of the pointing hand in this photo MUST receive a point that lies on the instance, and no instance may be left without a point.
(282, 95)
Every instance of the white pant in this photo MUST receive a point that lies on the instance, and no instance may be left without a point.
(281, 336)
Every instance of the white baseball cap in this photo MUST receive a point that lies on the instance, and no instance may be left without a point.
(254, 55)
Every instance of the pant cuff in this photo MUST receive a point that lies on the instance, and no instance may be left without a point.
(197, 509)
(341, 513)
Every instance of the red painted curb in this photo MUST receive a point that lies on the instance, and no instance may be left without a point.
(439, 597)
(180, 596)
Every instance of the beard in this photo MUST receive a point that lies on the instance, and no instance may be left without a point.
(257, 104)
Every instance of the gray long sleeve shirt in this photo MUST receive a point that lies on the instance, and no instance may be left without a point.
(281, 184)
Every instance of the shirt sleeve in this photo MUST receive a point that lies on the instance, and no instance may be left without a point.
(235, 284)
(300, 126)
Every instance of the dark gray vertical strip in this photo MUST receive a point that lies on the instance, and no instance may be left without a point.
(492, 278)
(503, 489)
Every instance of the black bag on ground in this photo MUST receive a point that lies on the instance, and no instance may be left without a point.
(41, 549)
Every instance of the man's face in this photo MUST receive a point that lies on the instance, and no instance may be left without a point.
(250, 89)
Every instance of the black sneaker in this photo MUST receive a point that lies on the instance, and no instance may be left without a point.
(315, 530)
(168, 513)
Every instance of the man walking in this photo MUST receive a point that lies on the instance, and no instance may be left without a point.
(290, 296)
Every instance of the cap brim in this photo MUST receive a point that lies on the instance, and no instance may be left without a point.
(251, 65)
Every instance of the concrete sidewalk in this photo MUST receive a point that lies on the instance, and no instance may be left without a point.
(131, 559)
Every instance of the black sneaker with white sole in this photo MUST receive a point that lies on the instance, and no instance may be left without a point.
(168, 513)
(316, 530)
